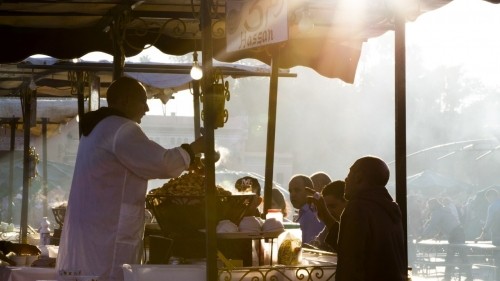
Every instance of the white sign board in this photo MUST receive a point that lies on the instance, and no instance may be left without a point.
(255, 23)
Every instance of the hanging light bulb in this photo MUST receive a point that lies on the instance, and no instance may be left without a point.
(196, 70)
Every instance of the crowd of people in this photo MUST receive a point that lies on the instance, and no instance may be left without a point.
(357, 218)
(435, 218)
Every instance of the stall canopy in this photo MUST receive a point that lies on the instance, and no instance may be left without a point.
(71, 29)
(56, 94)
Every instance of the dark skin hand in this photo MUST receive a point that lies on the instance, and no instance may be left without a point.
(198, 146)
(323, 213)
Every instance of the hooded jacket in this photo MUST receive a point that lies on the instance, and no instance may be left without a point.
(370, 243)
(104, 222)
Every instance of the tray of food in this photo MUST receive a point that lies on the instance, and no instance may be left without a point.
(179, 205)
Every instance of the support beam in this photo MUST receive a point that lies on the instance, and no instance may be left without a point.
(196, 107)
(271, 129)
(209, 125)
(13, 123)
(23, 231)
(400, 99)
(44, 164)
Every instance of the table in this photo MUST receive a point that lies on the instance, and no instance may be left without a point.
(430, 254)
(25, 273)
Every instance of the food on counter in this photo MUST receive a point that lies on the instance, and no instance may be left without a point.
(272, 225)
(226, 226)
(290, 250)
(250, 224)
(10, 251)
(188, 184)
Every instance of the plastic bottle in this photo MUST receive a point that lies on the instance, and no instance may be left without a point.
(44, 231)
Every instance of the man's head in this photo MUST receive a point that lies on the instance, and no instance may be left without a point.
(128, 96)
(366, 172)
(298, 192)
(250, 184)
(333, 194)
(320, 179)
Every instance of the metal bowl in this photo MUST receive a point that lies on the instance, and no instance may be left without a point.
(59, 213)
(186, 214)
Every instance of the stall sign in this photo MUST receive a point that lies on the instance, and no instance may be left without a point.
(255, 23)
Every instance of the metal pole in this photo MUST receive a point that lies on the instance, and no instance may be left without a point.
(23, 231)
(81, 102)
(196, 107)
(44, 164)
(13, 123)
(271, 130)
(209, 125)
(400, 99)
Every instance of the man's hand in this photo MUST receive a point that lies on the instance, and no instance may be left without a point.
(198, 145)
(322, 211)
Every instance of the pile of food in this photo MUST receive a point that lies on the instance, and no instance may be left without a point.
(179, 205)
(188, 184)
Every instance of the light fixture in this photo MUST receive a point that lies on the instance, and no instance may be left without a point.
(305, 22)
(196, 71)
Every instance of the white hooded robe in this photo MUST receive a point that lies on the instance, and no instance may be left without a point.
(104, 222)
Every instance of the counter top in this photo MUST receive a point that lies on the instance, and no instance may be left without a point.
(26, 273)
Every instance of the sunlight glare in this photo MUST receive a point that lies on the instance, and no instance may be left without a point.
(453, 35)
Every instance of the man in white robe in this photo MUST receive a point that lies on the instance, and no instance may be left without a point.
(104, 223)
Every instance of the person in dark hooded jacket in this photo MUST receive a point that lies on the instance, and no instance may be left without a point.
(371, 237)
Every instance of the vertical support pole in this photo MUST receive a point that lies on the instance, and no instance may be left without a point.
(23, 231)
(81, 103)
(118, 64)
(118, 53)
(44, 164)
(209, 125)
(196, 107)
(271, 130)
(13, 123)
(400, 99)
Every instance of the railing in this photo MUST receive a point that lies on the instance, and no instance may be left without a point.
(279, 273)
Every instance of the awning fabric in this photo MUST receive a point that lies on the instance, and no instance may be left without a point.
(71, 29)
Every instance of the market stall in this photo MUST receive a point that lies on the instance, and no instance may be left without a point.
(285, 55)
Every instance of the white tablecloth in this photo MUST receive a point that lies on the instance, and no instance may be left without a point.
(12, 273)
